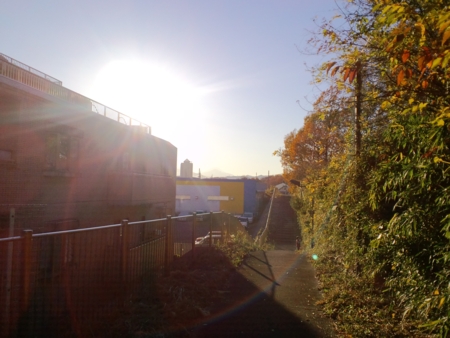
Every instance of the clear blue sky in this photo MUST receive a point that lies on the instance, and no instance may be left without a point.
(218, 79)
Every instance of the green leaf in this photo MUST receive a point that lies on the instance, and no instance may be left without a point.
(386, 9)
(436, 62)
(433, 323)
(445, 61)
(407, 110)
(422, 105)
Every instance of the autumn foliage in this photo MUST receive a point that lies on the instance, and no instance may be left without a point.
(311, 148)
(382, 215)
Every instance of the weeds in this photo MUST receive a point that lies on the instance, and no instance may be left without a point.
(358, 307)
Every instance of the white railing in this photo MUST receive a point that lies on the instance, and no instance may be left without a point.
(31, 77)
(29, 69)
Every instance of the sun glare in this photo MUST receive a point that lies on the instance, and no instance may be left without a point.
(150, 93)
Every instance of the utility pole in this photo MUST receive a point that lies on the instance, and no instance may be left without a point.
(361, 236)
(358, 100)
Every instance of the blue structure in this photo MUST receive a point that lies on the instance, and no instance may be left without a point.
(217, 194)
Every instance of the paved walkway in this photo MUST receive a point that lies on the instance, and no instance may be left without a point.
(273, 294)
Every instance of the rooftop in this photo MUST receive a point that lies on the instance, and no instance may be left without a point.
(36, 79)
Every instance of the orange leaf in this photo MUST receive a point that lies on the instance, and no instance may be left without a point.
(351, 75)
(422, 72)
(443, 26)
(405, 56)
(400, 77)
(335, 69)
(389, 47)
(422, 62)
(409, 73)
(446, 36)
(347, 71)
(331, 64)
(424, 84)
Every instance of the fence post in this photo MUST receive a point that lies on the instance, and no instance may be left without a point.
(222, 226)
(210, 227)
(25, 313)
(167, 245)
(125, 253)
(229, 225)
(9, 264)
(194, 226)
(27, 242)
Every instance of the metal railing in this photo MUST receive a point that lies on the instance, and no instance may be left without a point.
(31, 77)
(29, 69)
(66, 280)
(263, 238)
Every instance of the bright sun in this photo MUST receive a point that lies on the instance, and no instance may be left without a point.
(150, 93)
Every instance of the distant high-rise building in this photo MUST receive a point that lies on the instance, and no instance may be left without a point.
(186, 169)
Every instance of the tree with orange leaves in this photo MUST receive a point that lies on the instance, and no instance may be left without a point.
(310, 148)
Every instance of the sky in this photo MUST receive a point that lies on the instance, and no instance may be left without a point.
(222, 80)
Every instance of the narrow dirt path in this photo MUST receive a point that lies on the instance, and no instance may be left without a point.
(274, 293)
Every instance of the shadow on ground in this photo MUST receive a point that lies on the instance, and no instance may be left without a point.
(275, 303)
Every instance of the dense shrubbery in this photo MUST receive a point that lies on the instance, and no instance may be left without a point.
(381, 214)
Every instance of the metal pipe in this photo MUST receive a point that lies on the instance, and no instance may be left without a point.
(194, 226)
(12, 214)
(27, 237)
(125, 244)
(167, 243)
(210, 227)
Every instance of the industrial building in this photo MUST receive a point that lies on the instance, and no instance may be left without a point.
(217, 194)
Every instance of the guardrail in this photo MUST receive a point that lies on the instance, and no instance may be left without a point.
(265, 233)
(68, 279)
(31, 77)
(29, 69)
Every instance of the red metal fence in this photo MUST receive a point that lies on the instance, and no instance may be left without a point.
(59, 282)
